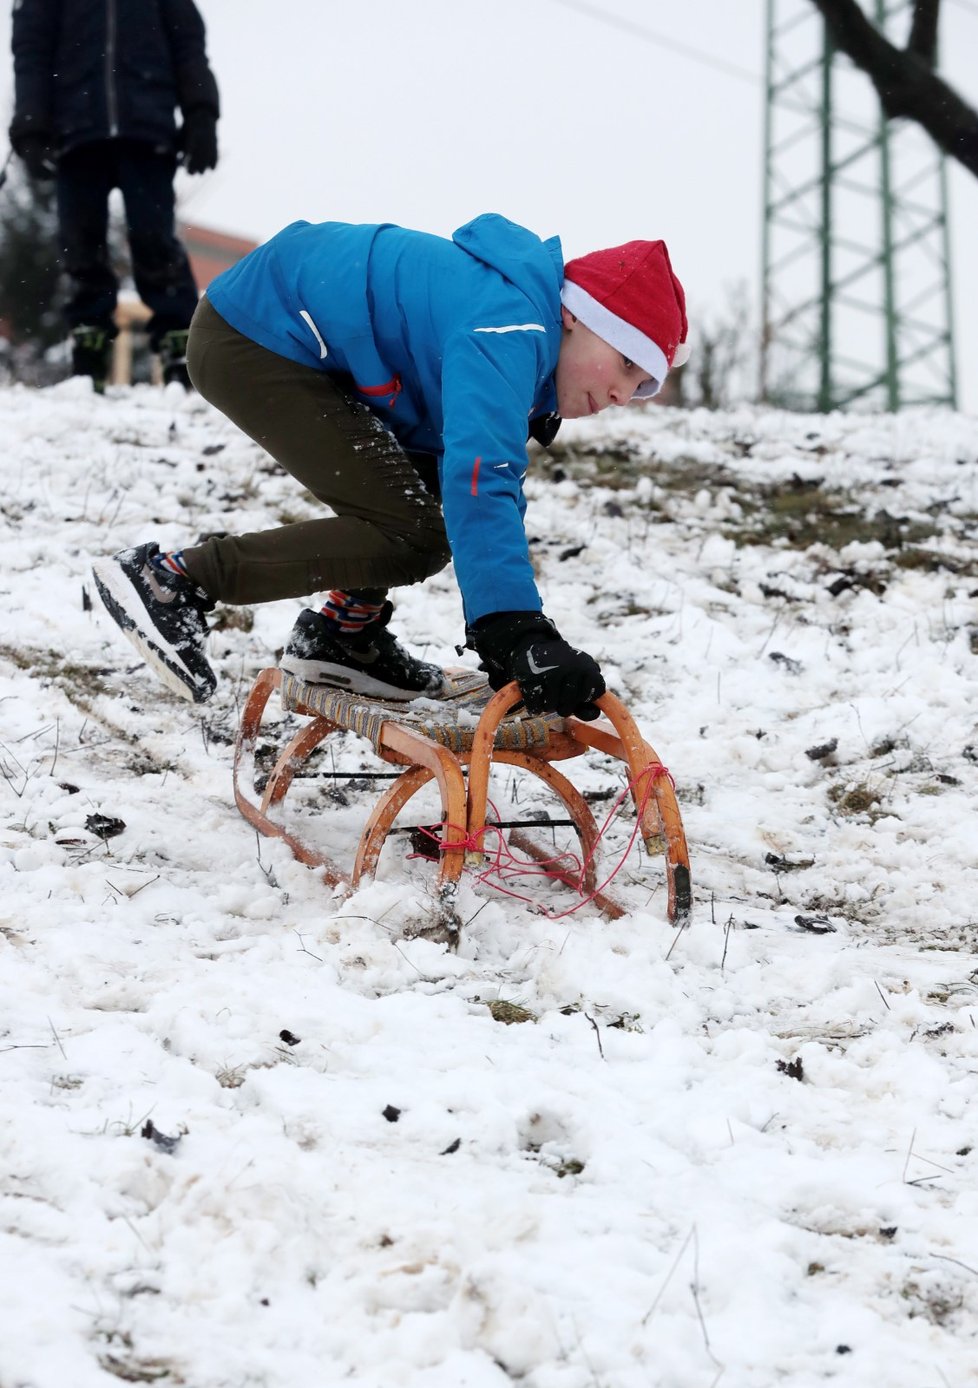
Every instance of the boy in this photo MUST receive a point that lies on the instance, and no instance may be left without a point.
(397, 376)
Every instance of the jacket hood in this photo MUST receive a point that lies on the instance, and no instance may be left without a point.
(536, 267)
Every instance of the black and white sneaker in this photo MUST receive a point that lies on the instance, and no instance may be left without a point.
(371, 662)
(162, 614)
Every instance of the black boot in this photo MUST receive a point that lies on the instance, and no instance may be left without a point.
(173, 357)
(91, 353)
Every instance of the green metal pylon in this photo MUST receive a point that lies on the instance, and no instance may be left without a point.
(856, 268)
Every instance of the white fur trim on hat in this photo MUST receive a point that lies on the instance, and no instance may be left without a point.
(620, 334)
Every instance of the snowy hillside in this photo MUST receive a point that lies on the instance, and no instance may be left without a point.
(255, 1136)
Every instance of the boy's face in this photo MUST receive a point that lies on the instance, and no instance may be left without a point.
(591, 374)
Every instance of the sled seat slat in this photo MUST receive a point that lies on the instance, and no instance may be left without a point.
(450, 720)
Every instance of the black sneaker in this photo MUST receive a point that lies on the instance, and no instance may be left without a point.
(173, 357)
(371, 662)
(91, 353)
(162, 614)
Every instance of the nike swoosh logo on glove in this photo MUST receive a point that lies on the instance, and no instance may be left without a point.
(536, 669)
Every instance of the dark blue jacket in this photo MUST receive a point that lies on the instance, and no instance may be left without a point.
(453, 344)
(95, 69)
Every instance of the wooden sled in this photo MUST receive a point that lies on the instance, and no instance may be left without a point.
(436, 740)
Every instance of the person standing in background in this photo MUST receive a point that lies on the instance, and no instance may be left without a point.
(97, 83)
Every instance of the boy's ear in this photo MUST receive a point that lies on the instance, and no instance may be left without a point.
(566, 317)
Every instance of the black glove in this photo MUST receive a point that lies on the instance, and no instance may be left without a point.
(526, 647)
(38, 156)
(199, 140)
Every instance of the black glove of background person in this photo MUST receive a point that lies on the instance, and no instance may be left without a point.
(37, 154)
(526, 647)
(199, 140)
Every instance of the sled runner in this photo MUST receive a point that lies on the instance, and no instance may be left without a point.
(469, 727)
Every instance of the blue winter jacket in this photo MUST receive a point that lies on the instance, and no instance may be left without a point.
(453, 344)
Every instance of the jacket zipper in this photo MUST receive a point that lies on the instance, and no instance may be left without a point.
(111, 98)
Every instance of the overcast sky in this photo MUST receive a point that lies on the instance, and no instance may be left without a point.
(644, 123)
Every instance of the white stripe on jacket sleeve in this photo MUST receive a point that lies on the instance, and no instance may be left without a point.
(307, 319)
(514, 328)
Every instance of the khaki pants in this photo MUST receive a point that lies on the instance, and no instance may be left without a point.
(387, 528)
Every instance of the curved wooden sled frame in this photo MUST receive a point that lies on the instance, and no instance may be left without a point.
(464, 807)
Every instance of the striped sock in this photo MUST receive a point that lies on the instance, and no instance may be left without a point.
(350, 612)
(171, 563)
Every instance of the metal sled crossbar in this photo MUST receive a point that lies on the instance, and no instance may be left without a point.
(436, 740)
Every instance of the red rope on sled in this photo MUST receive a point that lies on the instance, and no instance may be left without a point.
(504, 863)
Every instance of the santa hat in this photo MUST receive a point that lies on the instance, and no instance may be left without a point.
(630, 297)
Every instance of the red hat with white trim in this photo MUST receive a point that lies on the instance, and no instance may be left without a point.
(631, 298)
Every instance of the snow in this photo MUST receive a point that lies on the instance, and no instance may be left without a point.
(745, 1152)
